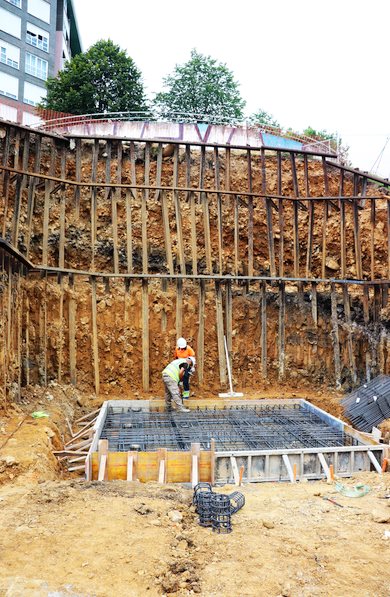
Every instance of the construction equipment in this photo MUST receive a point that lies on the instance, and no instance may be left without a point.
(230, 394)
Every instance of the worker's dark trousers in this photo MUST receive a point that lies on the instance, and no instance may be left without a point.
(186, 382)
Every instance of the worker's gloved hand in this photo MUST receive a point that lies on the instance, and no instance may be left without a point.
(192, 371)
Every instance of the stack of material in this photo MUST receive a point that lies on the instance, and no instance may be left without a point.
(76, 449)
(369, 405)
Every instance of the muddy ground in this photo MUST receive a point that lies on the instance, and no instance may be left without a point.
(63, 536)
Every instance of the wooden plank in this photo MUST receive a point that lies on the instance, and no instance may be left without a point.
(61, 253)
(115, 199)
(220, 334)
(295, 217)
(17, 209)
(72, 330)
(147, 170)
(375, 462)
(236, 474)
(6, 180)
(164, 288)
(219, 210)
(195, 462)
(162, 465)
(102, 467)
(95, 347)
(93, 207)
(324, 228)
(60, 326)
(130, 463)
(263, 338)
(159, 160)
(270, 236)
(310, 233)
(356, 232)
(229, 319)
(108, 166)
(176, 201)
(78, 159)
(206, 227)
(325, 466)
(326, 177)
(27, 339)
(144, 212)
(250, 214)
(193, 235)
(372, 238)
(289, 469)
(201, 311)
(227, 168)
(145, 335)
(167, 232)
(348, 323)
(129, 236)
(212, 461)
(236, 200)
(281, 215)
(179, 308)
(335, 336)
(133, 172)
(281, 332)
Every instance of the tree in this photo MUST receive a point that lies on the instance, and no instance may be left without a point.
(201, 87)
(335, 142)
(263, 117)
(104, 79)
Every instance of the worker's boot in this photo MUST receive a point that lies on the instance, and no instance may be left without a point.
(186, 394)
(183, 410)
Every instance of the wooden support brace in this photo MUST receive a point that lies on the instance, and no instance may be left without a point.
(289, 469)
(375, 462)
(195, 455)
(162, 465)
(324, 465)
(236, 474)
(103, 453)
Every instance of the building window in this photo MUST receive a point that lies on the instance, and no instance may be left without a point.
(10, 23)
(39, 9)
(9, 54)
(37, 37)
(33, 94)
(9, 85)
(17, 3)
(36, 66)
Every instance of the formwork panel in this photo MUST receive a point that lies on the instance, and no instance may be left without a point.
(268, 440)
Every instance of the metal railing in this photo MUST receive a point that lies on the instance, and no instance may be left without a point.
(62, 121)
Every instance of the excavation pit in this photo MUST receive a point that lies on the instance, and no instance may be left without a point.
(269, 440)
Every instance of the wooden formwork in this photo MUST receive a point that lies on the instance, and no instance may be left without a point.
(221, 467)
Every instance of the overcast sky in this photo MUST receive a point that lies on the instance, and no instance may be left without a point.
(307, 62)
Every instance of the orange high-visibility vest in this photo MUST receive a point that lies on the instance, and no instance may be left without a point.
(184, 353)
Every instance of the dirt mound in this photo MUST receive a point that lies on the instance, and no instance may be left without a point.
(132, 539)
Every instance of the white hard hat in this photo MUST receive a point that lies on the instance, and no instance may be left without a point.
(192, 359)
(181, 343)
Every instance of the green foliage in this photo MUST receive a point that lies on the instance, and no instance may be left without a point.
(320, 135)
(263, 117)
(104, 79)
(201, 86)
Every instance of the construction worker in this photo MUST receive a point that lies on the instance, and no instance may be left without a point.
(183, 351)
(172, 376)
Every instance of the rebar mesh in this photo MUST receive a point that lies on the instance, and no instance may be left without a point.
(235, 428)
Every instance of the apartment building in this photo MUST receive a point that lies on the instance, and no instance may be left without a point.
(36, 38)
